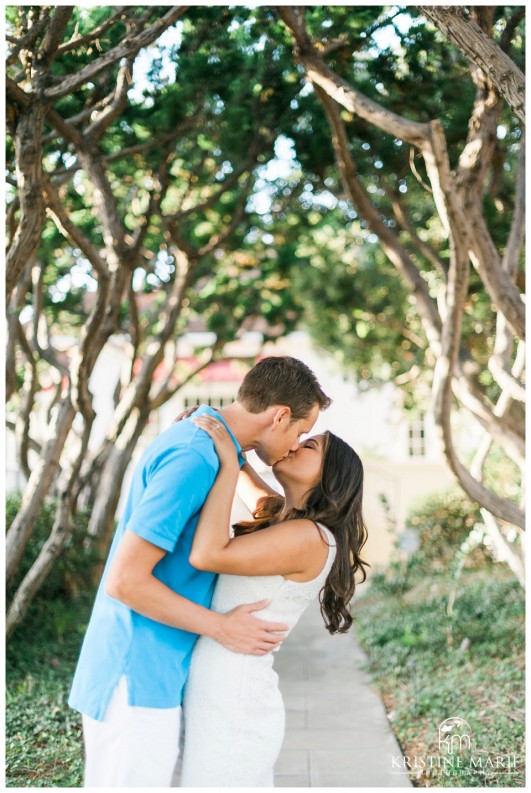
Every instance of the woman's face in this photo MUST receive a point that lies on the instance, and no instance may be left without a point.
(303, 466)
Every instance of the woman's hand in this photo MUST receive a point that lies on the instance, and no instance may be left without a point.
(186, 414)
(224, 445)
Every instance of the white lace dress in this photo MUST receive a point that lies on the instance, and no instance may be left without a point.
(233, 709)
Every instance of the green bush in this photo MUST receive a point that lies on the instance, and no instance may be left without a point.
(72, 570)
(44, 745)
(443, 522)
(396, 578)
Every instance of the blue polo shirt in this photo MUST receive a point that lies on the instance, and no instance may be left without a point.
(169, 487)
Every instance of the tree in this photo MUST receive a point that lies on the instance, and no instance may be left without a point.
(143, 197)
(457, 175)
(131, 214)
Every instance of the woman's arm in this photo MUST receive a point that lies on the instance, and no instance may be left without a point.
(291, 547)
(252, 488)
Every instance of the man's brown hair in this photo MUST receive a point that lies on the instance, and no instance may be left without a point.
(282, 381)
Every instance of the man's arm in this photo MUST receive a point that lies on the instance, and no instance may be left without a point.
(131, 581)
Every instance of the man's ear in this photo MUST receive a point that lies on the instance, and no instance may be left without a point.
(282, 417)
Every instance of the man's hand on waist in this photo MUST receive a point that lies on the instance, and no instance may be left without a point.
(241, 632)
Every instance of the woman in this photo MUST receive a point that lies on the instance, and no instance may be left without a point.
(298, 547)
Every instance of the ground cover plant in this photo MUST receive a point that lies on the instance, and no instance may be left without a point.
(430, 665)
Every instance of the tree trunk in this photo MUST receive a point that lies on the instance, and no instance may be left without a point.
(505, 551)
(29, 110)
(459, 28)
(28, 152)
(60, 533)
(37, 489)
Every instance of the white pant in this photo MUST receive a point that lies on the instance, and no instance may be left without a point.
(133, 746)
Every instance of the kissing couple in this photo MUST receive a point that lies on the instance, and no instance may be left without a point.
(175, 679)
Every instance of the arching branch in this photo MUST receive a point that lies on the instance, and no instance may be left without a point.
(458, 26)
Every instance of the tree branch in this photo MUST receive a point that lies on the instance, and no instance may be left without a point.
(487, 263)
(166, 393)
(28, 153)
(71, 231)
(403, 220)
(442, 389)
(231, 180)
(510, 27)
(37, 488)
(344, 93)
(78, 41)
(48, 49)
(391, 245)
(458, 27)
(14, 329)
(27, 398)
(28, 39)
(40, 331)
(32, 443)
(130, 46)
(59, 534)
(516, 235)
(505, 549)
(105, 117)
(500, 409)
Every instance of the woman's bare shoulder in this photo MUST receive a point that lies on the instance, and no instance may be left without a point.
(307, 528)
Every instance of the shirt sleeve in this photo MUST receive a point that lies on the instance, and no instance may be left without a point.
(177, 485)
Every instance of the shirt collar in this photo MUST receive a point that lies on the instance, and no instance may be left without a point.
(202, 409)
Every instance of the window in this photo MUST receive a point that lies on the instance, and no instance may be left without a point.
(212, 401)
(417, 436)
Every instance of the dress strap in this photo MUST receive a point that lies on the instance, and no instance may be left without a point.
(330, 536)
(332, 550)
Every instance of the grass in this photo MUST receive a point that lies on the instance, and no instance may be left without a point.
(429, 667)
(44, 744)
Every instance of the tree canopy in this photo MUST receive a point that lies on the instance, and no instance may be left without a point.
(146, 194)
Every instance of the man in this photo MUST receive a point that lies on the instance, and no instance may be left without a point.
(152, 604)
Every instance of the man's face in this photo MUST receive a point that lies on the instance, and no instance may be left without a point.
(283, 435)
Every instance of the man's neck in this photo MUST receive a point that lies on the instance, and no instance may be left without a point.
(245, 426)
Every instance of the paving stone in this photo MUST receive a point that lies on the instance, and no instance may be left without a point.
(296, 719)
(317, 739)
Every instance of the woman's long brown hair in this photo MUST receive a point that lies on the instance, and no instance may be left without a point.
(336, 502)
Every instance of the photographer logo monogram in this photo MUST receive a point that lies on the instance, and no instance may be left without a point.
(457, 754)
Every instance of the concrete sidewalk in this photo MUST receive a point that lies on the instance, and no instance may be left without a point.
(337, 731)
